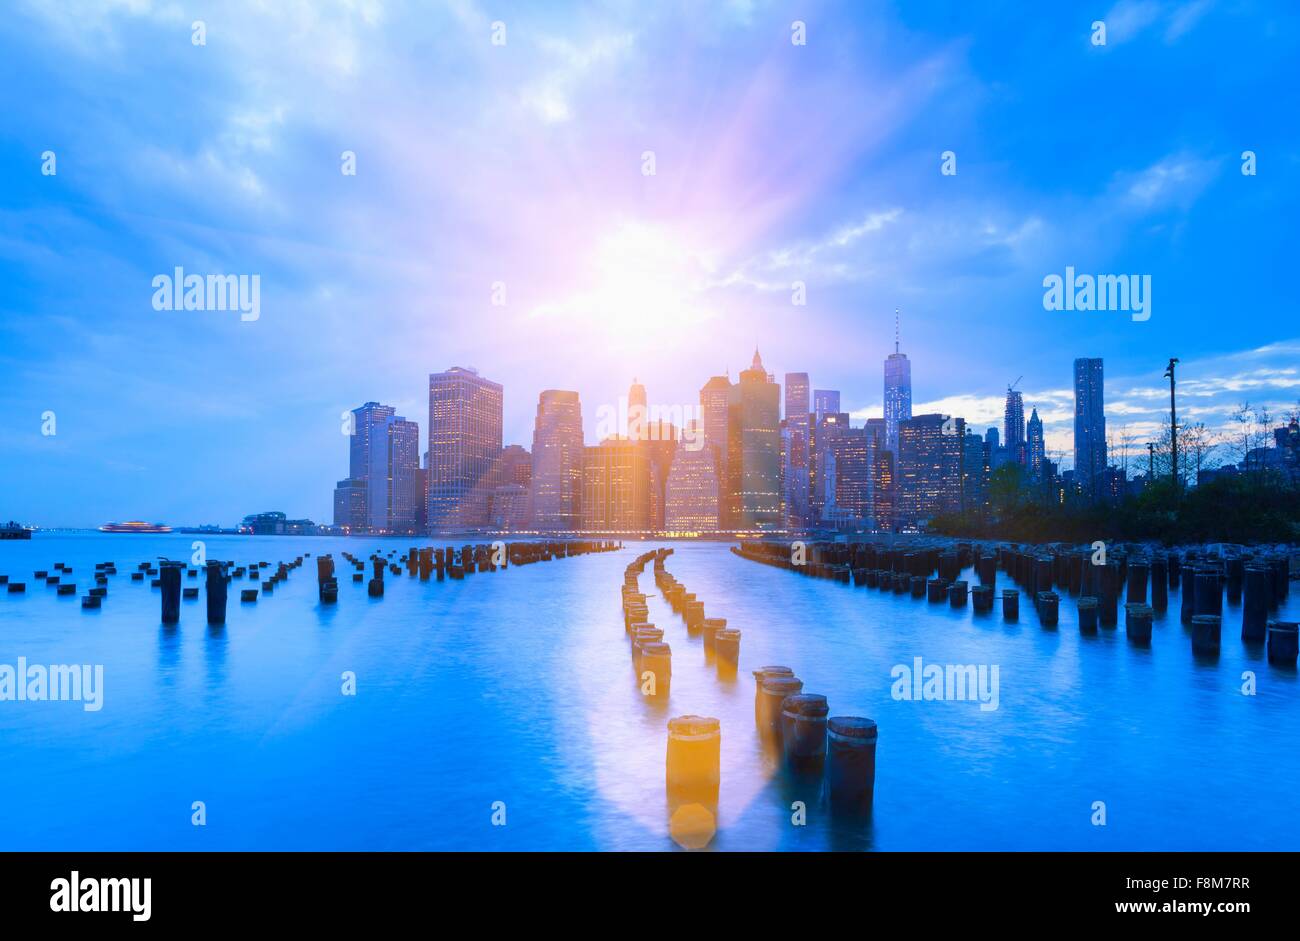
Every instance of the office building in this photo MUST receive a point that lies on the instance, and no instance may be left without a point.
(754, 451)
(930, 468)
(1089, 424)
(465, 413)
(557, 462)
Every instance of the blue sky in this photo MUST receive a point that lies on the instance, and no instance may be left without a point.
(523, 164)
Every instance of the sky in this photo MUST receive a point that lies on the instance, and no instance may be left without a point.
(571, 195)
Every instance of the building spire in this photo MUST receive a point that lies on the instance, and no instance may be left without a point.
(895, 329)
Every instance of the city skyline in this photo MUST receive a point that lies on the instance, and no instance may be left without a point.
(798, 165)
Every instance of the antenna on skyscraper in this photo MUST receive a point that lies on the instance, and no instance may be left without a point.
(895, 329)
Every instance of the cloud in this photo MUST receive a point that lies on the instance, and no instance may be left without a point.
(1129, 19)
(1172, 182)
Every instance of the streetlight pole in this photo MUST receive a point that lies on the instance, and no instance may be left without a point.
(1151, 463)
(1173, 426)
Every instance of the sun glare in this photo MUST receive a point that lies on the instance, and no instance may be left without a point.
(639, 278)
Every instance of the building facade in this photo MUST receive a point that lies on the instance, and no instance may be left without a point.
(898, 396)
(692, 491)
(1089, 424)
(930, 468)
(465, 417)
(754, 494)
(557, 462)
(616, 486)
(795, 450)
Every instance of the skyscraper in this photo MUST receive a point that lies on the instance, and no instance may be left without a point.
(368, 462)
(1036, 448)
(350, 505)
(464, 443)
(975, 474)
(796, 450)
(1013, 426)
(754, 451)
(898, 392)
(616, 486)
(382, 490)
(691, 502)
(404, 487)
(511, 479)
(842, 473)
(880, 497)
(825, 401)
(930, 468)
(713, 405)
(638, 412)
(557, 461)
(1089, 424)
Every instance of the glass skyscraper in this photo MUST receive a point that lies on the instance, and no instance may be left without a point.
(754, 451)
(557, 461)
(1089, 423)
(464, 443)
(382, 491)
(898, 392)
(713, 405)
(825, 401)
(1013, 426)
(796, 450)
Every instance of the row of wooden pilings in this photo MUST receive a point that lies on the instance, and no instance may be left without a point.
(795, 728)
(168, 576)
(454, 562)
(1097, 575)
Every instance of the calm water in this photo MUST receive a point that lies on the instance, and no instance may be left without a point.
(518, 687)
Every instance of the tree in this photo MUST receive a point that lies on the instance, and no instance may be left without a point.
(1243, 416)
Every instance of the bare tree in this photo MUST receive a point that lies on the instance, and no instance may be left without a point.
(1244, 416)
(1200, 445)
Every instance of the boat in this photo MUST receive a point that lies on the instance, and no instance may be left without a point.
(12, 530)
(134, 526)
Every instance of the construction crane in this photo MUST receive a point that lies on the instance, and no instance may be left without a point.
(1013, 385)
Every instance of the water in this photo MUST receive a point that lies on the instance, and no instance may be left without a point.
(517, 687)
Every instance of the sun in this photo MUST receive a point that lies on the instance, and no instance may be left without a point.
(638, 279)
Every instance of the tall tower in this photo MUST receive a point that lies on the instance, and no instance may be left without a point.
(1089, 423)
(825, 402)
(1013, 426)
(464, 444)
(557, 461)
(368, 460)
(1036, 447)
(713, 408)
(898, 391)
(754, 450)
(796, 450)
(638, 413)
(383, 488)
(405, 488)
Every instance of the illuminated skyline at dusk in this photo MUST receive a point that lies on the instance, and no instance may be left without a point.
(502, 216)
